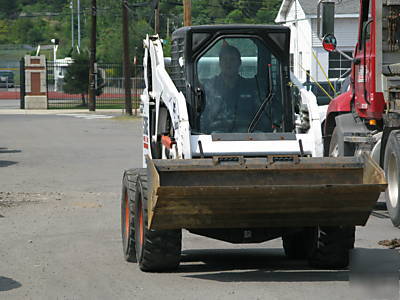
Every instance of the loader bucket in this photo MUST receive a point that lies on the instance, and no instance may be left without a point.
(237, 192)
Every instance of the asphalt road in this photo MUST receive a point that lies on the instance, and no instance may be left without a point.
(60, 182)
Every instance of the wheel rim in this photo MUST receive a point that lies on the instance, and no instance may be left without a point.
(141, 228)
(127, 216)
(393, 176)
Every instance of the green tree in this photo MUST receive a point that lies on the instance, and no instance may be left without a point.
(39, 29)
(76, 80)
(26, 31)
(4, 30)
(8, 9)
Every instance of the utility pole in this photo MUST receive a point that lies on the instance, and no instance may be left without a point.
(157, 18)
(92, 60)
(168, 28)
(187, 12)
(127, 63)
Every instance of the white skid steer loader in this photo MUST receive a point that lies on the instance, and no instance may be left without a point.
(232, 154)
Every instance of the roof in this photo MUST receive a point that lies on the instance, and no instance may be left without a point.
(238, 28)
(310, 8)
(344, 7)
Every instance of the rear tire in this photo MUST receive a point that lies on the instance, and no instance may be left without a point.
(332, 246)
(392, 172)
(298, 245)
(332, 243)
(156, 250)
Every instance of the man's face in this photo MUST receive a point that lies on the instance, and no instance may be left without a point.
(229, 64)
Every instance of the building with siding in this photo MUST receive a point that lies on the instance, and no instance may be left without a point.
(305, 46)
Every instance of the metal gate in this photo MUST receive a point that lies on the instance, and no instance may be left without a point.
(67, 85)
(10, 78)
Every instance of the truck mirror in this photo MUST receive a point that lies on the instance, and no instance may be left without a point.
(326, 16)
(329, 42)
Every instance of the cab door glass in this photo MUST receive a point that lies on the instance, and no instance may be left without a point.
(234, 75)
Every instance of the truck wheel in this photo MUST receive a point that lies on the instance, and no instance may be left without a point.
(336, 150)
(298, 245)
(331, 248)
(156, 250)
(127, 213)
(392, 172)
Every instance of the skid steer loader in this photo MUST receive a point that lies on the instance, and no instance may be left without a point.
(230, 153)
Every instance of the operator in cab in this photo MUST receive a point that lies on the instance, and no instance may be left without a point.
(232, 101)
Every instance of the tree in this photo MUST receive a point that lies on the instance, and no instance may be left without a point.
(76, 80)
(4, 29)
(7, 8)
(38, 28)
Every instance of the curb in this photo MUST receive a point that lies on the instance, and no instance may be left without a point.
(59, 111)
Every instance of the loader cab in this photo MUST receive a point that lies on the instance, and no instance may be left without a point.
(235, 77)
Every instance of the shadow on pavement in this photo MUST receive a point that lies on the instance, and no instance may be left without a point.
(7, 163)
(5, 150)
(374, 273)
(252, 265)
(7, 284)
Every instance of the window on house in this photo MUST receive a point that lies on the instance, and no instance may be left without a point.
(300, 64)
(338, 64)
(291, 62)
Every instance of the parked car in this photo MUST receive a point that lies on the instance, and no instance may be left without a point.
(6, 79)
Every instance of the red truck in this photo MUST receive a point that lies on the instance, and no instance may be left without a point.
(367, 117)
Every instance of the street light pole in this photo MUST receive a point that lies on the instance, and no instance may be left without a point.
(72, 23)
(79, 24)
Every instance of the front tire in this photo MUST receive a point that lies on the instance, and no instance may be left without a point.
(127, 214)
(392, 172)
(156, 250)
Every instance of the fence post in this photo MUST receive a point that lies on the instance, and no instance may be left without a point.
(22, 83)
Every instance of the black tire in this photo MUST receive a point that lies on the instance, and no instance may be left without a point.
(127, 214)
(332, 243)
(392, 172)
(332, 246)
(298, 245)
(156, 250)
(339, 148)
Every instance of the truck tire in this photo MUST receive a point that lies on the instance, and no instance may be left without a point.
(392, 172)
(156, 250)
(332, 246)
(127, 213)
(298, 245)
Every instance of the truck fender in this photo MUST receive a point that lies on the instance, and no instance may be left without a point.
(346, 124)
(337, 106)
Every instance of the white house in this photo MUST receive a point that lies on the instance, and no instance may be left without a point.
(305, 46)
